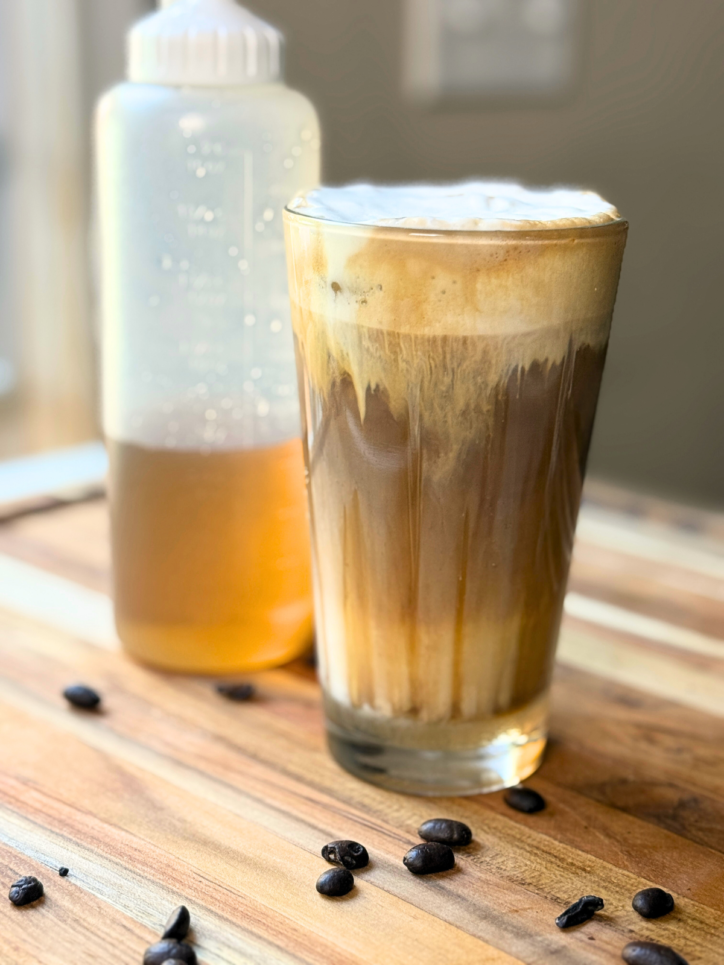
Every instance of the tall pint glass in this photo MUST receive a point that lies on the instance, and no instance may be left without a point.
(449, 372)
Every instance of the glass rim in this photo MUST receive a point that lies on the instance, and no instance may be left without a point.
(441, 233)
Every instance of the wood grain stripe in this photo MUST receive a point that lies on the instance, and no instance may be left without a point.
(658, 631)
(650, 541)
(57, 602)
(640, 668)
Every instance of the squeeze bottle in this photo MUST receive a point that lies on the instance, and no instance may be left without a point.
(197, 154)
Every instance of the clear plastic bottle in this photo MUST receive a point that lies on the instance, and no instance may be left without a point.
(196, 157)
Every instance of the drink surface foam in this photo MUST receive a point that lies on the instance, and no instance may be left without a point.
(465, 206)
(387, 305)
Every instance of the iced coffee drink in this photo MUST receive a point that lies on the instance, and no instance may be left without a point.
(450, 343)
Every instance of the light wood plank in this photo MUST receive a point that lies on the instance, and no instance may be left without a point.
(632, 663)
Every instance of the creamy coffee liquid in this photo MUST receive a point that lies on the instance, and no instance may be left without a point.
(451, 341)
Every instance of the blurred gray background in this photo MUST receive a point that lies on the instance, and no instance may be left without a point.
(623, 96)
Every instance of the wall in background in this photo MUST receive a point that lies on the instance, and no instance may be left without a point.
(44, 277)
(642, 126)
(103, 27)
(55, 57)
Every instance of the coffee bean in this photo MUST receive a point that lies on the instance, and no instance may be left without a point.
(445, 831)
(653, 903)
(81, 696)
(237, 692)
(651, 953)
(178, 923)
(25, 891)
(63, 872)
(428, 859)
(350, 854)
(335, 883)
(169, 950)
(582, 910)
(524, 799)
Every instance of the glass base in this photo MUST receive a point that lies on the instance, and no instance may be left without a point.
(503, 762)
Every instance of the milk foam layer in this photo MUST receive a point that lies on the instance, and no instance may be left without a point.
(469, 206)
(366, 299)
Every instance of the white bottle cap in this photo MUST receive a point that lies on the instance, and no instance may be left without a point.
(204, 43)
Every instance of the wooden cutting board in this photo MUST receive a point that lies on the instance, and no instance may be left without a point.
(174, 795)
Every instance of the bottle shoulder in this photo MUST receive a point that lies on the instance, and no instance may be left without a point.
(227, 107)
(134, 96)
(302, 101)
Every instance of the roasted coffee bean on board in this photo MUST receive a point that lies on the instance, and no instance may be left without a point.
(335, 883)
(26, 890)
(349, 854)
(653, 903)
(63, 872)
(524, 799)
(81, 696)
(169, 950)
(651, 953)
(237, 692)
(445, 831)
(429, 858)
(178, 924)
(582, 910)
